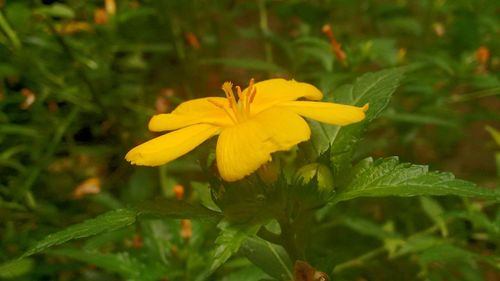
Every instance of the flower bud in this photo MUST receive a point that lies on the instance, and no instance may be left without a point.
(321, 172)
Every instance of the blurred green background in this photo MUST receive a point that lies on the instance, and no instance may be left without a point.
(79, 81)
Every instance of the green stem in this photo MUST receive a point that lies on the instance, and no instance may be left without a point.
(56, 140)
(266, 32)
(475, 95)
(11, 34)
(295, 230)
(358, 261)
(83, 75)
(288, 241)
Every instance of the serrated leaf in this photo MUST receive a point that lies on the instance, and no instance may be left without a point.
(375, 89)
(388, 177)
(272, 259)
(107, 222)
(16, 268)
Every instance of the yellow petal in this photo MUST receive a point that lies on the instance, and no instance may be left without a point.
(272, 91)
(243, 148)
(191, 112)
(331, 113)
(170, 146)
(284, 128)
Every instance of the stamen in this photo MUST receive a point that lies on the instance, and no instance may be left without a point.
(253, 90)
(241, 100)
(227, 87)
(252, 94)
(240, 95)
(240, 108)
(221, 105)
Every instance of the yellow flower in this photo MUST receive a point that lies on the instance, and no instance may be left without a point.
(260, 120)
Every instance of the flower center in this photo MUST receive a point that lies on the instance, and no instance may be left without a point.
(238, 107)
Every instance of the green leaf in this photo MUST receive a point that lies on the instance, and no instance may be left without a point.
(419, 118)
(435, 212)
(118, 263)
(107, 222)
(170, 208)
(228, 243)
(271, 258)
(369, 228)
(121, 263)
(375, 89)
(13, 129)
(309, 49)
(494, 133)
(16, 268)
(388, 177)
(202, 192)
(247, 273)
(56, 10)
(445, 253)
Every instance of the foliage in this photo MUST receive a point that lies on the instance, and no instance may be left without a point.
(80, 79)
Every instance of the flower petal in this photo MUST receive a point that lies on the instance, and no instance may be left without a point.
(243, 148)
(191, 112)
(285, 128)
(272, 91)
(326, 112)
(170, 146)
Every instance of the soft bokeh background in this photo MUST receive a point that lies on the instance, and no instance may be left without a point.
(80, 79)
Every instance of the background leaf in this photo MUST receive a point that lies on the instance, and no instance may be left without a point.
(16, 268)
(107, 222)
(121, 263)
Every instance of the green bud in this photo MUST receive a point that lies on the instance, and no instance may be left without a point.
(322, 172)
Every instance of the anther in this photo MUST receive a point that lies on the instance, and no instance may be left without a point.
(240, 95)
(227, 87)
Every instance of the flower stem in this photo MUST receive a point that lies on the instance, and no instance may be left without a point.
(294, 232)
(289, 241)
(11, 34)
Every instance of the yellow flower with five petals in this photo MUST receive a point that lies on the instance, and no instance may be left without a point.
(251, 124)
